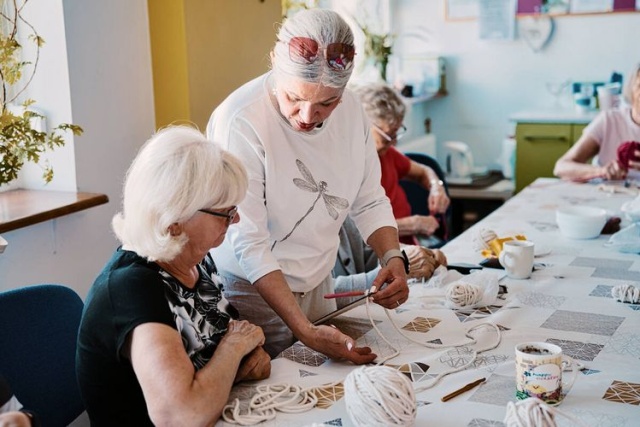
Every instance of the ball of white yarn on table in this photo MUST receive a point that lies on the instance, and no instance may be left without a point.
(482, 238)
(531, 412)
(379, 396)
(462, 294)
(626, 293)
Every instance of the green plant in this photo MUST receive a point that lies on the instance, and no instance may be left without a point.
(290, 7)
(20, 140)
(378, 47)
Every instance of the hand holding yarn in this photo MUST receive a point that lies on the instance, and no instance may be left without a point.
(628, 152)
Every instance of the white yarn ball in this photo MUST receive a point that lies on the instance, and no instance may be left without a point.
(482, 238)
(462, 294)
(379, 396)
(531, 412)
(626, 293)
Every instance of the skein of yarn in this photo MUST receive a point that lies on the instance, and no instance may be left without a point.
(462, 294)
(626, 293)
(482, 238)
(379, 396)
(530, 412)
(533, 412)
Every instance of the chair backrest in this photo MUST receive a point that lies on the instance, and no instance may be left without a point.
(417, 195)
(38, 332)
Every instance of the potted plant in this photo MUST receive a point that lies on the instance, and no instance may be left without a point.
(377, 47)
(21, 138)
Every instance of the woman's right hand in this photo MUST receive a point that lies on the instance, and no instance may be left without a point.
(425, 225)
(613, 171)
(330, 341)
(243, 336)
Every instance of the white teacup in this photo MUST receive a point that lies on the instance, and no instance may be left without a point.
(517, 258)
(539, 367)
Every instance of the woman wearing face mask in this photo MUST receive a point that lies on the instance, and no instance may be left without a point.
(311, 159)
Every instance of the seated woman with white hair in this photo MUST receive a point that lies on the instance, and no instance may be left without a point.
(157, 343)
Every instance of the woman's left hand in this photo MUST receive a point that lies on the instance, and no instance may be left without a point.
(391, 285)
(423, 261)
(254, 366)
(438, 200)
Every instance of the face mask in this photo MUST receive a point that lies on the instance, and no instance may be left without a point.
(626, 240)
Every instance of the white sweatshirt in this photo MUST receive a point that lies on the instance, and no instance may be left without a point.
(297, 180)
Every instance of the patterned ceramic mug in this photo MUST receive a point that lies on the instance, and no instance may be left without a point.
(539, 367)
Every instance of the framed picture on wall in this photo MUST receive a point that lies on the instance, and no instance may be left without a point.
(591, 6)
(460, 10)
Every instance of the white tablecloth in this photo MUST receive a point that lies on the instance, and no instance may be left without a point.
(567, 301)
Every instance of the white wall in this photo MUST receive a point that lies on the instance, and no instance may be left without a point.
(489, 80)
(110, 83)
(50, 89)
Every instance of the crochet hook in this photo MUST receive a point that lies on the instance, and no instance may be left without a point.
(463, 389)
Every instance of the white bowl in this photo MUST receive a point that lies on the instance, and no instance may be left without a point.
(632, 210)
(581, 222)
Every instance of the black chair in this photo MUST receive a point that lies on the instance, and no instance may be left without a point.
(417, 197)
(38, 332)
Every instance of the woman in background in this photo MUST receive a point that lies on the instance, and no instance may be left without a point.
(602, 137)
(311, 162)
(386, 110)
(157, 343)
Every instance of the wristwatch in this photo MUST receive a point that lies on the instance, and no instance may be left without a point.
(435, 183)
(395, 253)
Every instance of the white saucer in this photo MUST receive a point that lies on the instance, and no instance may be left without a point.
(541, 250)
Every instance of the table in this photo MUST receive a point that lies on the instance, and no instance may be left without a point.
(501, 190)
(567, 301)
(472, 204)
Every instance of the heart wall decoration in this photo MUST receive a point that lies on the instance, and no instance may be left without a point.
(536, 30)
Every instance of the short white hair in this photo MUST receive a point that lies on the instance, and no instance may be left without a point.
(324, 26)
(176, 173)
(382, 104)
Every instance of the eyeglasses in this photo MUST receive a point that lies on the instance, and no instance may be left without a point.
(304, 50)
(230, 215)
(399, 133)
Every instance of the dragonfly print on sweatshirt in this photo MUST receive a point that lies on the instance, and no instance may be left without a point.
(308, 183)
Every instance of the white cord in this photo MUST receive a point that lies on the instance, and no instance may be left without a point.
(271, 398)
(626, 293)
(472, 341)
(533, 412)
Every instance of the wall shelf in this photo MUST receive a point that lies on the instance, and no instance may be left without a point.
(21, 208)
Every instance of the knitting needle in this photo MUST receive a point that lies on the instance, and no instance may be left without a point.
(463, 389)
(349, 294)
